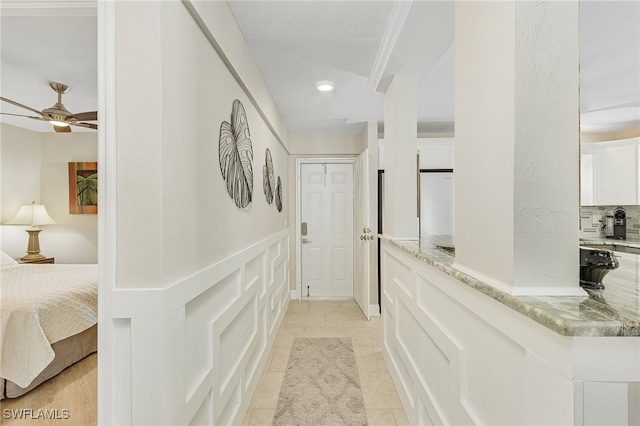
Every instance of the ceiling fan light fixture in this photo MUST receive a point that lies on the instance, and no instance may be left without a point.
(59, 123)
(325, 85)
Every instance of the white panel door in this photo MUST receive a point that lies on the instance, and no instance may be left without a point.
(326, 199)
(363, 236)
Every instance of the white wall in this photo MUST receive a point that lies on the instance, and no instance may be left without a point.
(485, 147)
(175, 215)
(35, 168)
(76, 235)
(326, 144)
(20, 183)
(201, 284)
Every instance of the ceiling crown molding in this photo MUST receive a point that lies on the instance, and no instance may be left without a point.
(48, 8)
(394, 26)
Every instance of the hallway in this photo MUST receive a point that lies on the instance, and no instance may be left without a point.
(330, 318)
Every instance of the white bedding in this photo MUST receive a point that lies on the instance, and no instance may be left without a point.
(40, 305)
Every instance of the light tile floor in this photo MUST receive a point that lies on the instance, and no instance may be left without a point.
(330, 318)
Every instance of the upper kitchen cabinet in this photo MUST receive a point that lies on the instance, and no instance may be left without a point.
(435, 153)
(586, 176)
(610, 173)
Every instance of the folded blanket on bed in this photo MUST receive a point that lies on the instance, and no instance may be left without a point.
(41, 305)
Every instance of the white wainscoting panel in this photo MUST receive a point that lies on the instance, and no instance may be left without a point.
(453, 362)
(200, 345)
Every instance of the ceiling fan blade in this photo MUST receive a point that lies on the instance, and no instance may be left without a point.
(86, 116)
(21, 106)
(20, 115)
(62, 129)
(87, 125)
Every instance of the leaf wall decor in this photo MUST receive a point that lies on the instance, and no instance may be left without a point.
(279, 195)
(269, 183)
(236, 154)
(87, 190)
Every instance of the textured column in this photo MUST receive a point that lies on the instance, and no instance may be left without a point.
(400, 138)
(517, 153)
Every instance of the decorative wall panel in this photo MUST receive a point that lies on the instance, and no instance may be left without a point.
(200, 313)
(221, 335)
(454, 359)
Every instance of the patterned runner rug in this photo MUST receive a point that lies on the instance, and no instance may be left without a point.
(321, 385)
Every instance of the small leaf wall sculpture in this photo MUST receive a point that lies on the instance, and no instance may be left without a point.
(269, 183)
(279, 195)
(236, 154)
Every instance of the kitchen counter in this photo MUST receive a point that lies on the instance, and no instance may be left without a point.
(610, 242)
(613, 311)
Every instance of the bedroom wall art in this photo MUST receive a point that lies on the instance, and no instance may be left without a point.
(269, 183)
(236, 154)
(83, 187)
(279, 195)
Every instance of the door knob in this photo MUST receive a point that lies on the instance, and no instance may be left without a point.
(305, 241)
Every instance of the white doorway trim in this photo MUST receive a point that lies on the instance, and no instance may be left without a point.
(107, 398)
(299, 162)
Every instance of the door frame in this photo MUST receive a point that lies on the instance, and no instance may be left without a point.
(298, 235)
(108, 404)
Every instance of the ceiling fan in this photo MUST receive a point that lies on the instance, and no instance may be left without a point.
(58, 115)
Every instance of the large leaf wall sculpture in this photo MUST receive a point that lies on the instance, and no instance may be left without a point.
(279, 195)
(269, 183)
(236, 154)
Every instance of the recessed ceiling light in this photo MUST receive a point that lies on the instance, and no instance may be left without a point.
(325, 85)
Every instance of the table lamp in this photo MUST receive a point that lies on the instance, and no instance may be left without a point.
(33, 215)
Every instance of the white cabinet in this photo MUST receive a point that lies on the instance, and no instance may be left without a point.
(435, 153)
(610, 173)
(586, 180)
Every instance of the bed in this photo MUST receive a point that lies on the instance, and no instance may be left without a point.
(48, 321)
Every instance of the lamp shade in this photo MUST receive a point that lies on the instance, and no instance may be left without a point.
(31, 214)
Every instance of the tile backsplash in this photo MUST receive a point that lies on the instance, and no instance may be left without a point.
(594, 217)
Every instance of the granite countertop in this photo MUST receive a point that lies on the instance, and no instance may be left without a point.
(613, 311)
(609, 242)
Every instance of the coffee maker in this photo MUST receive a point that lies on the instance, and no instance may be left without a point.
(608, 227)
(619, 224)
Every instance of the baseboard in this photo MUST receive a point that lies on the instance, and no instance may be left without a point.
(294, 295)
(374, 310)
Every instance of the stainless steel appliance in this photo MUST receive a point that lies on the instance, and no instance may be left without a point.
(619, 224)
(608, 227)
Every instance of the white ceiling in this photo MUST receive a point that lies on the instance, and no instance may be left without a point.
(28, 62)
(297, 43)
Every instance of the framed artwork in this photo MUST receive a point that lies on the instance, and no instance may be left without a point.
(83, 188)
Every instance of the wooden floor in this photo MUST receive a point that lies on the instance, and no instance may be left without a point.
(70, 398)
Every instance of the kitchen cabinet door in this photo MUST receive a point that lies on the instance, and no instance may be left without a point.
(615, 168)
(436, 153)
(586, 180)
